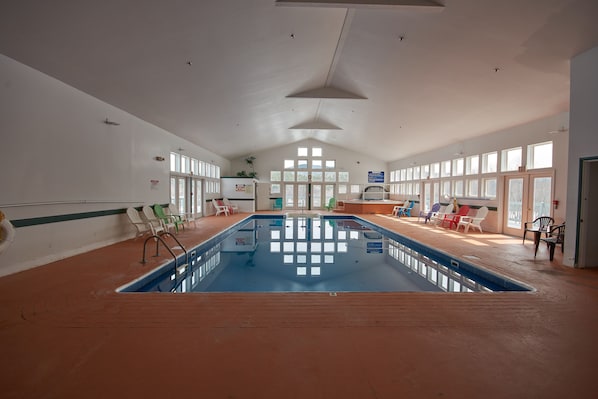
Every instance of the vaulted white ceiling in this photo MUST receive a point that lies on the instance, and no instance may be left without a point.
(240, 76)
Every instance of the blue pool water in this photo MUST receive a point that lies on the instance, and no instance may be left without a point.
(317, 254)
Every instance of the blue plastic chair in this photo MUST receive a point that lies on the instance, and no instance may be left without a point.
(406, 211)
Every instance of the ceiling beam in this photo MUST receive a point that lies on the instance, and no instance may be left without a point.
(424, 4)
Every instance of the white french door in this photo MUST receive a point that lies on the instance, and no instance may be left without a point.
(527, 196)
(187, 193)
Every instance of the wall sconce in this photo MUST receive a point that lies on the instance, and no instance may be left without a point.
(154, 182)
(159, 158)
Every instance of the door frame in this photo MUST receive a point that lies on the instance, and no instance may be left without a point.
(527, 198)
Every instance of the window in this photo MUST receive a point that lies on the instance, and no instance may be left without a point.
(416, 173)
(316, 164)
(409, 174)
(458, 188)
(289, 175)
(302, 176)
(289, 164)
(355, 188)
(343, 177)
(458, 166)
(403, 175)
(275, 188)
(472, 188)
(446, 188)
(316, 176)
(330, 176)
(302, 151)
(342, 189)
(175, 162)
(490, 162)
(185, 165)
(425, 172)
(511, 159)
(445, 170)
(472, 165)
(330, 164)
(489, 188)
(539, 155)
(275, 175)
(302, 164)
(316, 152)
(435, 170)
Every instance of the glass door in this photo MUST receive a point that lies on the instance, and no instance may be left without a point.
(526, 198)
(296, 196)
(316, 196)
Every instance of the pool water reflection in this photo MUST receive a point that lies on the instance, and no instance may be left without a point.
(313, 254)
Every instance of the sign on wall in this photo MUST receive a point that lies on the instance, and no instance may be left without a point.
(375, 177)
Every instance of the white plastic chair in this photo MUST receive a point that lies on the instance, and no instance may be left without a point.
(473, 221)
(439, 217)
(155, 223)
(231, 207)
(142, 227)
(220, 207)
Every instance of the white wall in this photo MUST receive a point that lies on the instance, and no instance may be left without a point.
(58, 157)
(355, 163)
(583, 136)
(531, 133)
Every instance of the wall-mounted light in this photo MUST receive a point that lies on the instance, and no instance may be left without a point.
(159, 158)
(111, 123)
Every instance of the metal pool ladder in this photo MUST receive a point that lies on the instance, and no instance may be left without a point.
(159, 239)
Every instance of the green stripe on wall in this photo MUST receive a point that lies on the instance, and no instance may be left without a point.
(64, 218)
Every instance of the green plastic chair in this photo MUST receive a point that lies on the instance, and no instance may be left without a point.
(166, 220)
(277, 204)
(331, 204)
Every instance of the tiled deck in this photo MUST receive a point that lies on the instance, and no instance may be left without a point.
(65, 332)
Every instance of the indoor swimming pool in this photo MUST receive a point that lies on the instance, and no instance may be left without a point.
(312, 253)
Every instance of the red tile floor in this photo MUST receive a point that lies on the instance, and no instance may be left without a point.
(66, 333)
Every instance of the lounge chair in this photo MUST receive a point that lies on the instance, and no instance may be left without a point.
(168, 221)
(397, 208)
(473, 221)
(556, 235)
(220, 207)
(188, 218)
(142, 227)
(406, 211)
(149, 214)
(439, 217)
(277, 204)
(453, 218)
(231, 207)
(538, 225)
(331, 204)
(427, 215)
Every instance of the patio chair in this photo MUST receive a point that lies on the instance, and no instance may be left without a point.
(220, 207)
(331, 204)
(453, 218)
(436, 219)
(231, 207)
(555, 236)
(154, 222)
(188, 218)
(473, 221)
(397, 208)
(277, 204)
(168, 220)
(539, 224)
(406, 211)
(141, 226)
(427, 215)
